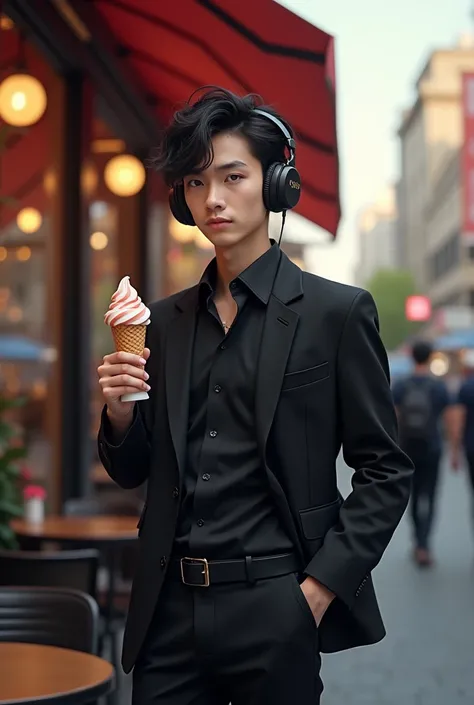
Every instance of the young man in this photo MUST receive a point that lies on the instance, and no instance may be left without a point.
(251, 562)
(422, 401)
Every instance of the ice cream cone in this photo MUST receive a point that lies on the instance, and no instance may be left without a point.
(128, 317)
(129, 338)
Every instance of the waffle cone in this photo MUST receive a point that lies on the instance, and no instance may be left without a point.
(130, 338)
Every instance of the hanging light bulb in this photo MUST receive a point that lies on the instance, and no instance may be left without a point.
(29, 220)
(98, 240)
(6, 23)
(23, 100)
(124, 175)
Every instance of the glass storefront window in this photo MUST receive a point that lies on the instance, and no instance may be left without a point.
(26, 186)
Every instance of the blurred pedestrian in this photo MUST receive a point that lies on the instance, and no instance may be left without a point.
(422, 402)
(463, 440)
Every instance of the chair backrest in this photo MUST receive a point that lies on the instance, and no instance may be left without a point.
(75, 569)
(114, 502)
(82, 507)
(50, 616)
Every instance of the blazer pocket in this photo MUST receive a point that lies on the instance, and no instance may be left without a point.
(317, 521)
(301, 378)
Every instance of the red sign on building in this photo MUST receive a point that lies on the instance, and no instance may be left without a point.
(467, 159)
(418, 308)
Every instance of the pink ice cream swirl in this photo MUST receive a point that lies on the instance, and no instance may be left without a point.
(126, 307)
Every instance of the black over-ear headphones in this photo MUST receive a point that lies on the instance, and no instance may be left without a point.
(281, 182)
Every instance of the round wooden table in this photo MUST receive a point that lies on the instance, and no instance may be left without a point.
(95, 530)
(32, 673)
(109, 533)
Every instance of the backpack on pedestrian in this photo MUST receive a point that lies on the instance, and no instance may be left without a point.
(416, 413)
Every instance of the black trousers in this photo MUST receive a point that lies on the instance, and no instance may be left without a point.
(423, 494)
(239, 643)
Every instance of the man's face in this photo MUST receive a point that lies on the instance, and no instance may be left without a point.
(226, 199)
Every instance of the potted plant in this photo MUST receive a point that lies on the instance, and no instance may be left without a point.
(12, 451)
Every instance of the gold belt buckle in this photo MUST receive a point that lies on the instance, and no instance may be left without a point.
(205, 572)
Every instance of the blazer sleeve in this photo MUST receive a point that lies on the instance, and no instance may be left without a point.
(128, 463)
(382, 472)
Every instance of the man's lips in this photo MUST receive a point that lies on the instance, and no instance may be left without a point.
(216, 221)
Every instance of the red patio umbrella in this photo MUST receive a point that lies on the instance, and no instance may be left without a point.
(245, 46)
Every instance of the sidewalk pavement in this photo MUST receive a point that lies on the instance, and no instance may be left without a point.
(427, 657)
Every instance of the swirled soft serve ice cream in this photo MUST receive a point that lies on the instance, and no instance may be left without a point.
(128, 318)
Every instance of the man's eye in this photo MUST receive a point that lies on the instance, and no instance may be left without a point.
(234, 177)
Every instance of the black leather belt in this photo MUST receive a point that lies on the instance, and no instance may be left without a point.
(199, 572)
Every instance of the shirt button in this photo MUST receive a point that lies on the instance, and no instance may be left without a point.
(200, 522)
(233, 285)
(218, 388)
(213, 434)
(163, 562)
(175, 493)
(206, 477)
(223, 346)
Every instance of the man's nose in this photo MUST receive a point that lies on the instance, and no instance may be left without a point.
(214, 198)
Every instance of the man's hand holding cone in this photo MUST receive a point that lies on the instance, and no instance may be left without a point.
(122, 375)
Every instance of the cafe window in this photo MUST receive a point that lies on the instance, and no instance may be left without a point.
(27, 185)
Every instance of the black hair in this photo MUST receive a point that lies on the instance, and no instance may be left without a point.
(186, 146)
(421, 351)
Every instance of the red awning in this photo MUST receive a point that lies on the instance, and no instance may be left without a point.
(245, 46)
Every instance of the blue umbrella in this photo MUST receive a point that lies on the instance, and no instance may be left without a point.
(13, 347)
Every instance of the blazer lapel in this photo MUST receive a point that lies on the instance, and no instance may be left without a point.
(278, 334)
(179, 349)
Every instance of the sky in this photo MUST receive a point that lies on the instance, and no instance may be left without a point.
(381, 47)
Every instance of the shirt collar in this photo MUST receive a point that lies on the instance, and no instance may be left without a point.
(207, 284)
(258, 277)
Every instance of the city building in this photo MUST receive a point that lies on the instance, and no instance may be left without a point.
(429, 198)
(379, 242)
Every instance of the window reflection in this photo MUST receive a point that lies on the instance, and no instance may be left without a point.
(26, 356)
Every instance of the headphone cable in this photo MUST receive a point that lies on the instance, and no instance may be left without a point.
(283, 218)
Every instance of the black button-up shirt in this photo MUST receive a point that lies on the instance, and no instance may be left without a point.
(227, 510)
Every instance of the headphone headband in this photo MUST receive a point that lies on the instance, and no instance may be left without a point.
(290, 140)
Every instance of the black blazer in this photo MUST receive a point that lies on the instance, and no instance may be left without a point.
(323, 381)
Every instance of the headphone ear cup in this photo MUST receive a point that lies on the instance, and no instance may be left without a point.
(179, 207)
(281, 187)
(269, 200)
(288, 187)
